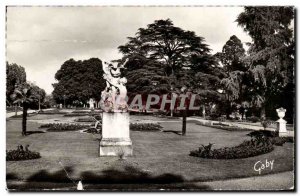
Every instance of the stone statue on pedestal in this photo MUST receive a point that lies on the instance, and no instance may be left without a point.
(115, 119)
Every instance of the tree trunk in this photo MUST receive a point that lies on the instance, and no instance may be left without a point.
(24, 120)
(184, 114)
(16, 110)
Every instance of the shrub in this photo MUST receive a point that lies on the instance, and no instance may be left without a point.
(63, 126)
(145, 127)
(224, 127)
(253, 147)
(85, 119)
(21, 154)
(279, 141)
(54, 111)
(253, 119)
(80, 111)
(264, 133)
(265, 123)
(92, 130)
(214, 116)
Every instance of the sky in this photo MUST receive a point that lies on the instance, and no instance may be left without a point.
(41, 39)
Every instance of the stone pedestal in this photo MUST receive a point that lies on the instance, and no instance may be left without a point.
(281, 127)
(115, 135)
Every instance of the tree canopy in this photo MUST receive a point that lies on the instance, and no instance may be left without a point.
(15, 75)
(78, 81)
(164, 56)
(271, 57)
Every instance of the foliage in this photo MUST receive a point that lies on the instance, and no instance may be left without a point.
(85, 119)
(78, 81)
(15, 75)
(52, 111)
(145, 127)
(224, 127)
(273, 136)
(271, 55)
(92, 130)
(21, 154)
(63, 126)
(254, 147)
(253, 119)
(23, 95)
(171, 58)
(266, 123)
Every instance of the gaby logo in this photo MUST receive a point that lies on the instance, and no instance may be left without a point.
(260, 165)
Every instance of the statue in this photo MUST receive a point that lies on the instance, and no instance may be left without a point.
(115, 117)
(113, 97)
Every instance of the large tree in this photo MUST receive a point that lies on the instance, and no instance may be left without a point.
(234, 82)
(15, 75)
(169, 57)
(270, 60)
(78, 81)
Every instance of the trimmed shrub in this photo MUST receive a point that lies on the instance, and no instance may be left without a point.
(145, 127)
(21, 154)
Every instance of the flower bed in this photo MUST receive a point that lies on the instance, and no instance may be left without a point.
(63, 126)
(224, 127)
(21, 154)
(250, 148)
(85, 119)
(145, 127)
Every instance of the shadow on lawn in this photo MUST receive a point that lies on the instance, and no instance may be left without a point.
(34, 132)
(128, 179)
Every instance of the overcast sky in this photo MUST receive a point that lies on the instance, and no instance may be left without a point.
(42, 38)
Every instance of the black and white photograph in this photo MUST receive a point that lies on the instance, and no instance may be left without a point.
(150, 98)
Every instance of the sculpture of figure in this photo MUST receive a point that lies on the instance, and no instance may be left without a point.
(113, 97)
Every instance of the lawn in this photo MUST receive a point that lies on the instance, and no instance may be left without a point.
(159, 157)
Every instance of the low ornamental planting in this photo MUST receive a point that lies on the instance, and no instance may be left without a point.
(54, 111)
(93, 131)
(249, 148)
(63, 126)
(21, 154)
(145, 127)
(86, 119)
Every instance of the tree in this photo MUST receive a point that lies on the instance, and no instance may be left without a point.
(38, 94)
(169, 54)
(234, 82)
(23, 95)
(271, 64)
(78, 81)
(15, 75)
(161, 41)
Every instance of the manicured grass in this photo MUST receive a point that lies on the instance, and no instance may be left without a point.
(155, 153)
